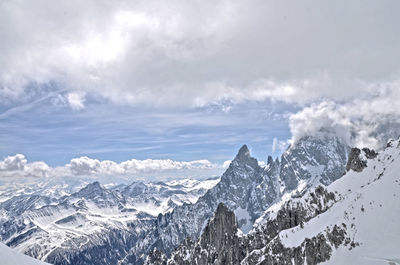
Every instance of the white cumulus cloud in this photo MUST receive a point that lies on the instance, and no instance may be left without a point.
(13, 163)
(18, 166)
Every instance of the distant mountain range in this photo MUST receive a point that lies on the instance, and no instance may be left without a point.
(312, 205)
(42, 224)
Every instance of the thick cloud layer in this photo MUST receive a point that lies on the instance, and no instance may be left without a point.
(195, 53)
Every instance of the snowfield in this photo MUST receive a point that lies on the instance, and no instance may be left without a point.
(369, 206)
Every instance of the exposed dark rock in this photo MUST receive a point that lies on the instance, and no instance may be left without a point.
(355, 162)
(369, 153)
(358, 158)
(156, 257)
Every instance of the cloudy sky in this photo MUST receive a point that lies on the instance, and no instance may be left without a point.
(175, 88)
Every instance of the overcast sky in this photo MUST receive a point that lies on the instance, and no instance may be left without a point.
(190, 81)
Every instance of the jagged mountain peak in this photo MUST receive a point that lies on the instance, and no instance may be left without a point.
(91, 188)
(244, 158)
(244, 166)
(270, 160)
(244, 152)
(98, 194)
(95, 184)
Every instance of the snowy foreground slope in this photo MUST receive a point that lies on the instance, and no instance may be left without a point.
(355, 220)
(371, 205)
(9, 256)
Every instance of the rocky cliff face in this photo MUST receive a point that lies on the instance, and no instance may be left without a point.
(222, 243)
(220, 232)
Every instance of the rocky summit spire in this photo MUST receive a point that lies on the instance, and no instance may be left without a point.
(243, 158)
(270, 161)
(243, 153)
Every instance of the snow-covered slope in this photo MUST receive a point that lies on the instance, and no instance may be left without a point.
(9, 256)
(366, 209)
(371, 205)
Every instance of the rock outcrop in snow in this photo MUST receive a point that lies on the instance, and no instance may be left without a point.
(358, 158)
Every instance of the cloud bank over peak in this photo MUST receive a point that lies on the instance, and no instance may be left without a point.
(369, 121)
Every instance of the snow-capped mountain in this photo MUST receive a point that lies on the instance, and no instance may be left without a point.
(13, 257)
(249, 190)
(352, 221)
